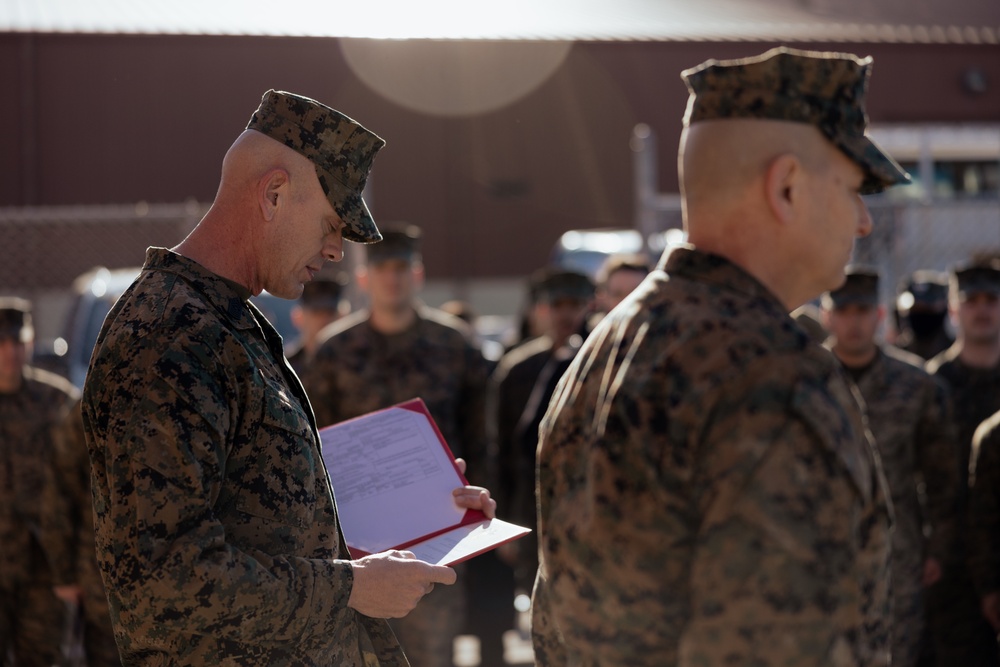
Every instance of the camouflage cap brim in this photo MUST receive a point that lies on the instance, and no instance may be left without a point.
(881, 171)
(979, 287)
(976, 278)
(352, 209)
(841, 299)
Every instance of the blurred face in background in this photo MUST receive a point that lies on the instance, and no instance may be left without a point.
(13, 356)
(978, 315)
(561, 316)
(392, 284)
(852, 330)
(619, 285)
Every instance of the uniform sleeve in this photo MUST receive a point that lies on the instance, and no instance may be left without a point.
(784, 570)
(162, 439)
(938, 462)
(65, 498)
(984, 508)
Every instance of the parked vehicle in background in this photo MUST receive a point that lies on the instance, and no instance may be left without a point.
(95, 292)
(586, 250)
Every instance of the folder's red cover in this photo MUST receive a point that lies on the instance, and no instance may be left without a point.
(392, 474)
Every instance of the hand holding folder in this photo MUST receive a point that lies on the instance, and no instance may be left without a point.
(394, 476)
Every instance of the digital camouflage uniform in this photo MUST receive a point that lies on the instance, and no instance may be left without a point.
(216, 528)
(707, 491)
(357, 370)
(909, 413)
(33, 621)
(984, 508)
(68, 534)
(961, 635)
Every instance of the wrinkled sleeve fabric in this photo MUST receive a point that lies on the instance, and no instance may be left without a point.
(159, 475)
(773, 567)
(762, 540)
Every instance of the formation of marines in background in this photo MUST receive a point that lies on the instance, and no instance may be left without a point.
(714, 486)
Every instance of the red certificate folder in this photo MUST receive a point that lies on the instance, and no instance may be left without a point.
(393, 474)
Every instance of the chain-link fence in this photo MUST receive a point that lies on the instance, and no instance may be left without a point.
(43, 249)
(927, 235)
(906, 236)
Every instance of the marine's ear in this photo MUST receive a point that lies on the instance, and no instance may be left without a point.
(783, 187)
(272, 189)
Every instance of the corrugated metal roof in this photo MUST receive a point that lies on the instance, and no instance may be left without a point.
(903, 21)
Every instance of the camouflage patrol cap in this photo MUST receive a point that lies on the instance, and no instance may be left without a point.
(860, 287)
(325, 291)
(400, 241)
(926, 290)
(15, 319)
(823, 89)
(977, 278)
(342, 150)
(558, 283)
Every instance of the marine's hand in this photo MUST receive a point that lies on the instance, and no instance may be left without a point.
(70, 593)
(390, 584)
(474, 497)
(990, 606)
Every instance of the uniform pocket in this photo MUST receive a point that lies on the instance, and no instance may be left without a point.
(280, 479)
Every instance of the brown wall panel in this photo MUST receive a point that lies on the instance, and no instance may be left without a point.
(125, 118)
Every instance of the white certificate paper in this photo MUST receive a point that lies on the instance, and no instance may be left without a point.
(393, 477)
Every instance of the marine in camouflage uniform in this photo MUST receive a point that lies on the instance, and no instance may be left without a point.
(33, 621)
(984, 518)
(923, 310)
(707, 493)
(909, 413)
(68, 535)
(520, 389)
(322, 303)
(360, 367)
(216, 529)
(971, 368)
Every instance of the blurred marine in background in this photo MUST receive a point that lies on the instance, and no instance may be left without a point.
(922, 308)
(909, 413)
(960, 634)
(323, 302)
(68, 533)
(396, 350)
(34, 622)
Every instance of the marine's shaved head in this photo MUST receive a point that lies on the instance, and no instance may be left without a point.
(752, 192)
(720, 160)
(252, 155)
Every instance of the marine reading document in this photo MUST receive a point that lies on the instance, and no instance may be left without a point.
(393, 475)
